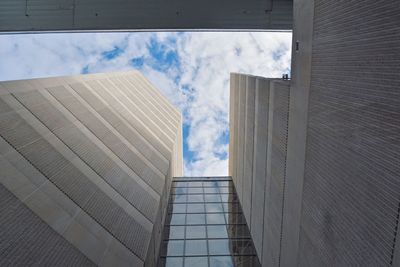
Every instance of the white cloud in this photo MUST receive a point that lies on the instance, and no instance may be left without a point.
(202, 92)
(207, 60)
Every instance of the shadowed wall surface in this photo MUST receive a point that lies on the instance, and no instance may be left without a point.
(98, 15)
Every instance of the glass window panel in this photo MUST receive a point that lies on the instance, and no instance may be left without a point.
(223, 183)
(195, 208)
(195, 184)
(225, 190)
(180, 191)
(217, 231)
(227, 197)
(195, 190)
(219, 247)
(180, 184)
(179, 198)
(178, 218)
(196, 219)
(211, 190)
(177, 232)
(195, 198)
(214, 207)
(212, 198)
(173, 261)
(178, 208)
(175, 248)
(193, 232)
(210, 205)
(196, 261)
(210, 184)
(215, 218)
(195, 247)
(222, 261)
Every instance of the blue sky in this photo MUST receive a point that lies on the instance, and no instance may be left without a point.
(190, 69)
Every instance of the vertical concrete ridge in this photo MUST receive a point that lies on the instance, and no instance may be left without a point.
(159, 96)
(109, 137)
(248, 152)
(123, 105)
(147, 106)
(122, 126)
(148, 99)
(88, 151)
(259, 122)
(130, 118)
(154, 124)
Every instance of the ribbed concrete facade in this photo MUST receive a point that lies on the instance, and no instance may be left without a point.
(331, 183)
(351, 190)
(258, 127)
(95, 15)
(86, 165)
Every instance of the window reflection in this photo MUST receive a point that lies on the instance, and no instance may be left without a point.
(195, 247)
(180, 191)
(175, 248)
(225, 261)
(195, 184)
(195, 190)
(174, 262)
(215, 218)
(178, 219)
(177, 232)
(214, 207)
(211, 190)
(195, 232)
(205, 226)
(179, 184)
(219, 247)
(179, 198)
(217, 231)
(196, 261)
(195, 198)
(196, 219)
(195, 208)
(178, 208)
(212, 198)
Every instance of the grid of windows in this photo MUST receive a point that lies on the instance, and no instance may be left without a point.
(205, 226)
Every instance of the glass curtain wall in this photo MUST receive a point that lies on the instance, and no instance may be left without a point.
(205, 226)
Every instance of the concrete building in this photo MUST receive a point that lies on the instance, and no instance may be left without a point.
(258, 139)
(128, 15)
(316, 160)
(86, 162)
(86, 165)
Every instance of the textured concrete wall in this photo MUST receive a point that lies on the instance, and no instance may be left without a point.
(351, 186)
(42, 246)
(71, 15)
(276, 172)
(334, 200)
(91, 156)
(259, 124)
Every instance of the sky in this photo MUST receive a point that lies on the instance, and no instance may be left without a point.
(190, 68)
